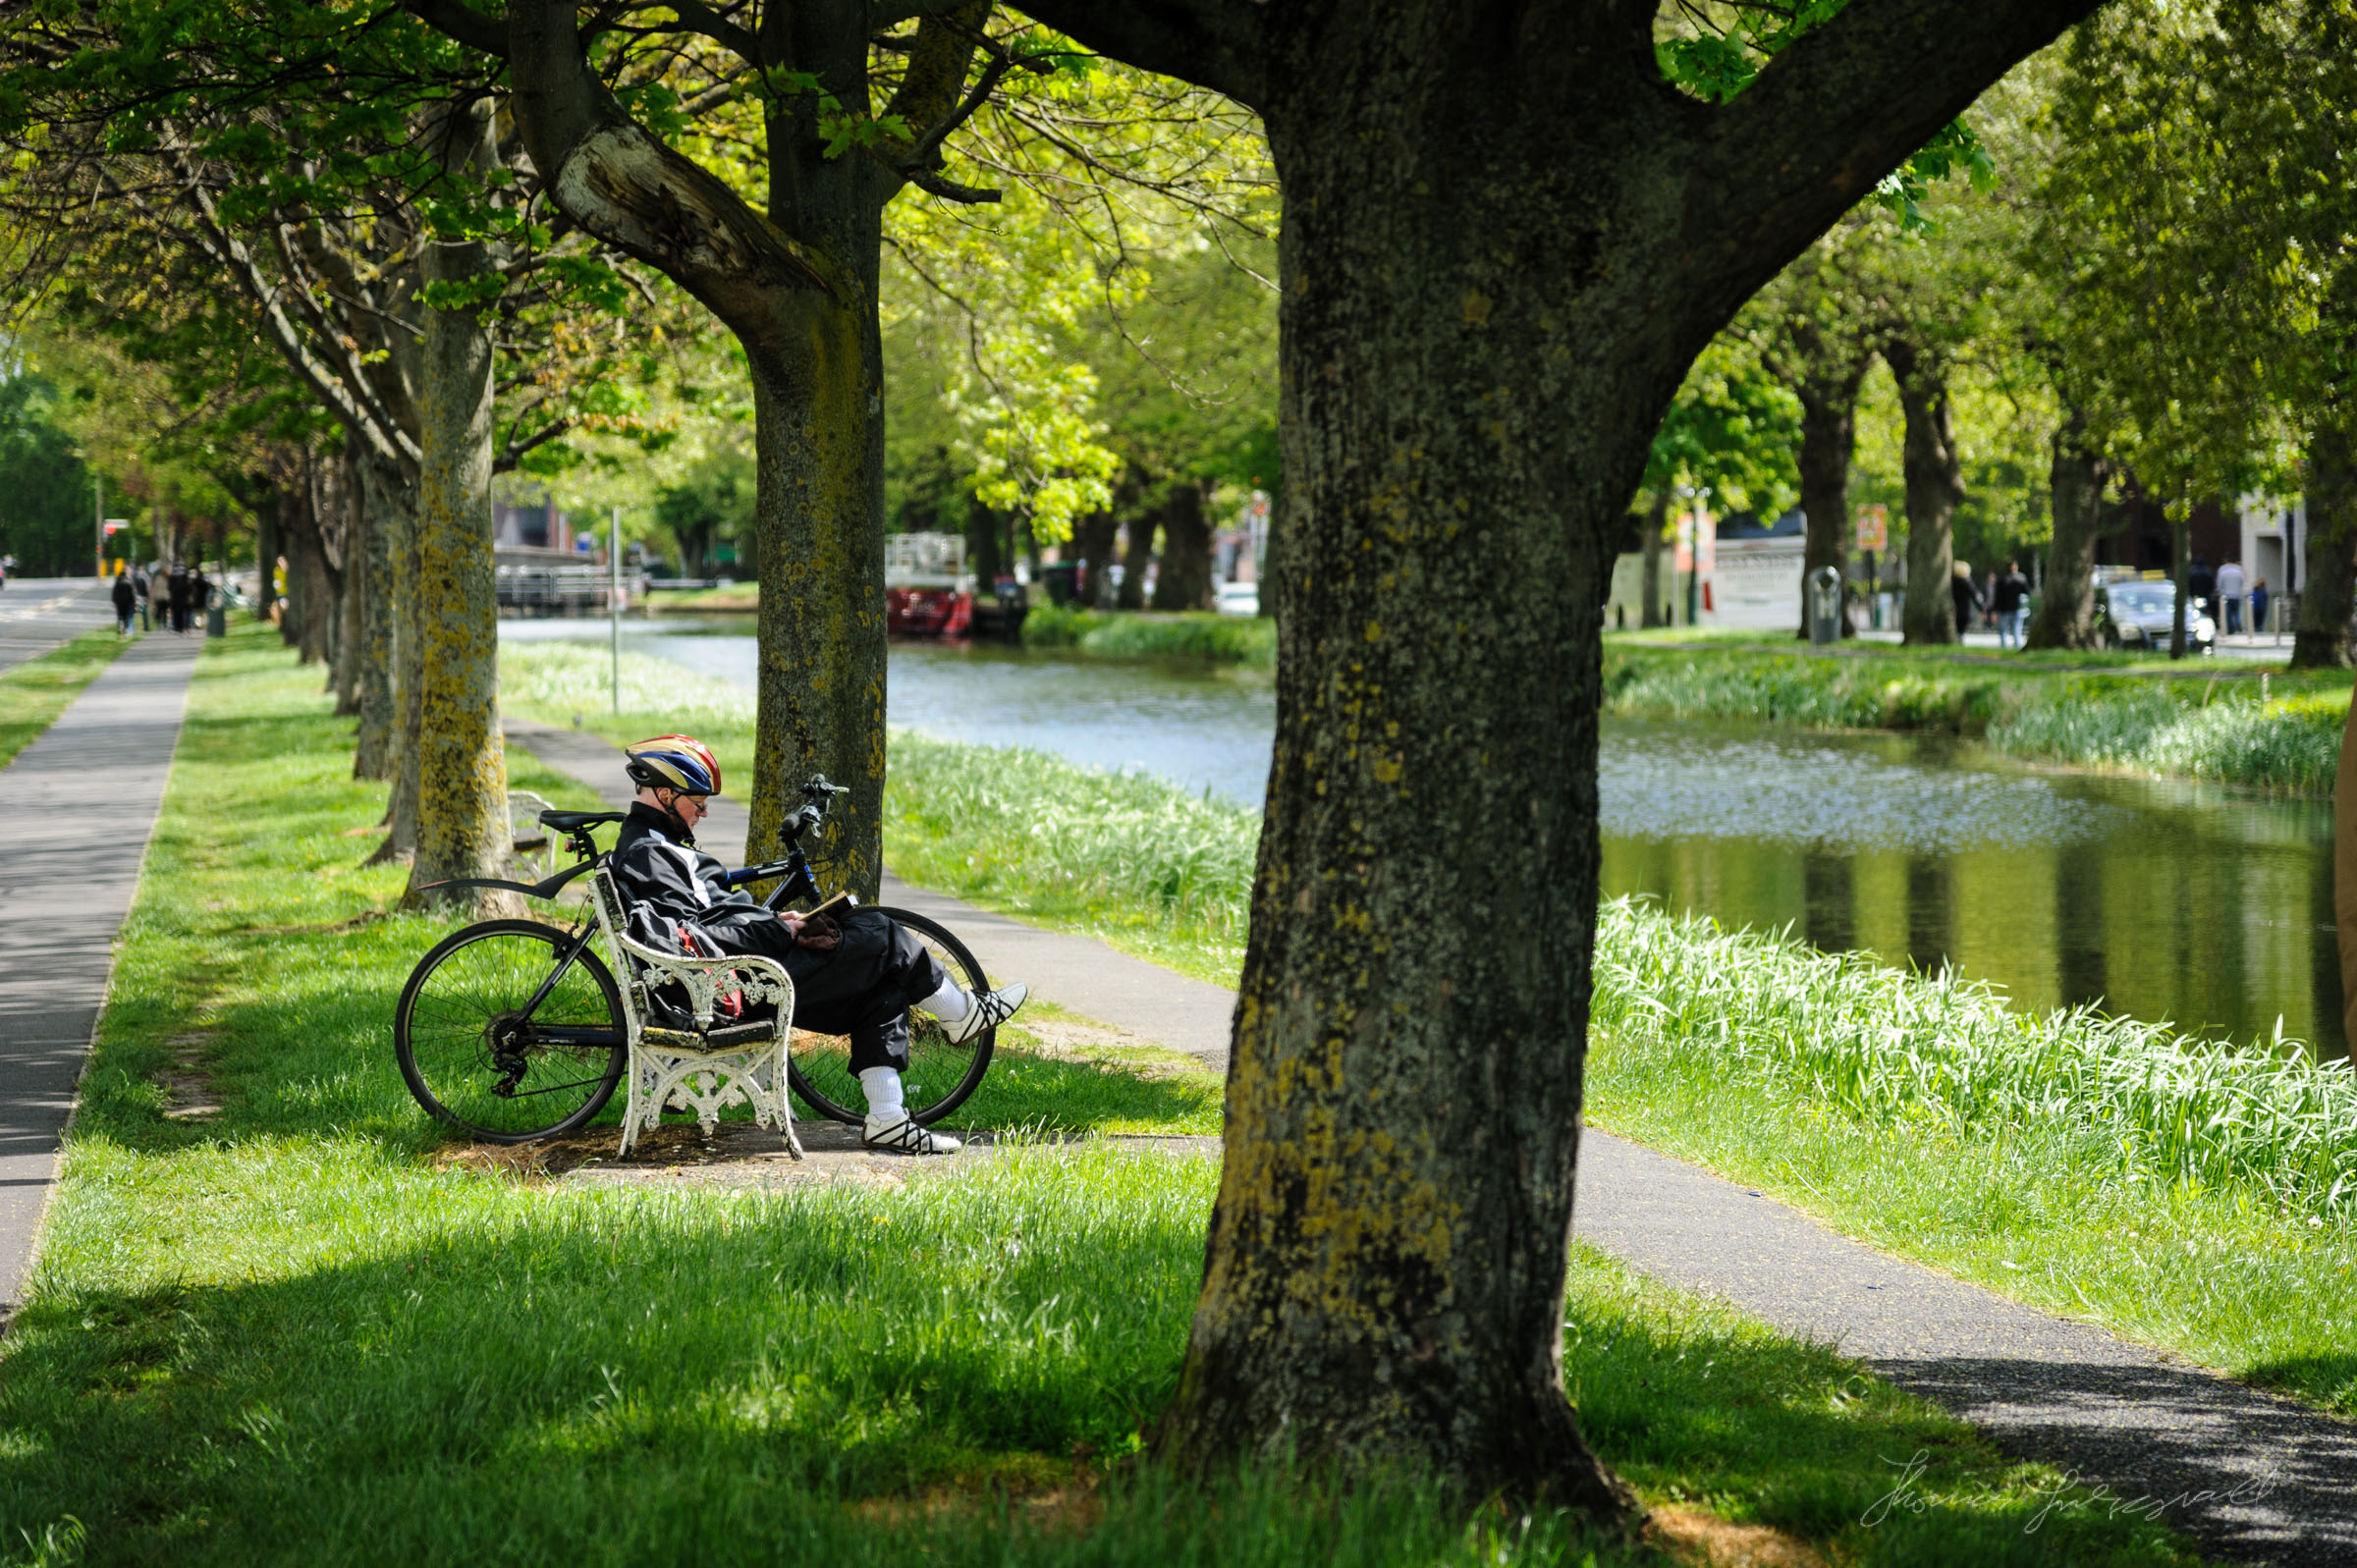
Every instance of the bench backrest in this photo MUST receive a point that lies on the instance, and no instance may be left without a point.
(613, 920)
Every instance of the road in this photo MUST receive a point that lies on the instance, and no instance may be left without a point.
(37, 614)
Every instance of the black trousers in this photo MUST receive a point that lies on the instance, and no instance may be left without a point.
(863, 988)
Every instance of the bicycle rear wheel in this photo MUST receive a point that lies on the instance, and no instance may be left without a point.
(474, 1058)
(940, 1077)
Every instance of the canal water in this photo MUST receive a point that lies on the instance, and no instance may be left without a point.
(2195, 903)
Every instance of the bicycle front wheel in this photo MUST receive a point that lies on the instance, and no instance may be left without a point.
(480, 1054)
(940, 1075)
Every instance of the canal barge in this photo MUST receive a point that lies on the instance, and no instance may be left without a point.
(929, 594)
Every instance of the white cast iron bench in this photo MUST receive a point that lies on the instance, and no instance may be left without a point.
(717, 1063)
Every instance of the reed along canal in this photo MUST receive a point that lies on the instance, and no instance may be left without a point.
(2197, 904)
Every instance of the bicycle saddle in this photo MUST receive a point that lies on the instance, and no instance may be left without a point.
(576, 821)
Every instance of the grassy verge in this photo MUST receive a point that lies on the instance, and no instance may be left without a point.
(1144, 634)
(735, 598)
(2214, 722)
(33, 693)
(282, 1332)
(2189, 1194)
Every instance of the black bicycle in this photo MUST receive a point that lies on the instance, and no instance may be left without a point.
(514, 1030)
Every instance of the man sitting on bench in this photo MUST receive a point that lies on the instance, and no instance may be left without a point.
(862, 983)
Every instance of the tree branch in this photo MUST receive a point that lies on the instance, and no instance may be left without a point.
(951, 191)
(344, 392)
(1213, 43)
(700, 19)
(1840, 109)
(462, 22)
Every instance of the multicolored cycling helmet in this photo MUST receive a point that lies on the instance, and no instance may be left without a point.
(674, 762)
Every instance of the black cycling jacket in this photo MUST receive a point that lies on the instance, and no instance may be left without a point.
(655, 864)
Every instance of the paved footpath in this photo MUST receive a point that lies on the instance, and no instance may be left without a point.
(81, 803)
(37, 614)
(2255, 1479)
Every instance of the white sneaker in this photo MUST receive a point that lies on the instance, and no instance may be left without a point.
(902, 1134)
(986, 1012)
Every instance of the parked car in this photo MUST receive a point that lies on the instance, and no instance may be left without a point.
(1238, 599)
(2139, 615)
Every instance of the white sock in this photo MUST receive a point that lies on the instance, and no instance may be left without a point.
(948, 1003)
(882, 1086)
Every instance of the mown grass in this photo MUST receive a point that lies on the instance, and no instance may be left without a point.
(730, 598)
(34, 692)
(1146, 634)
(2282, 732)
(283, 1334)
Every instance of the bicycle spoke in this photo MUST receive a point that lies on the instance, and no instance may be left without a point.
(475, 1059)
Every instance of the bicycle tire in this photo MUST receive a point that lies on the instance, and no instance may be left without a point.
(479, 977)
(941, 1076)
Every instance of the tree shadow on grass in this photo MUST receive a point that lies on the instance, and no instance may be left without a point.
(2328, 1381)
(303, 1046)
(541, 1377)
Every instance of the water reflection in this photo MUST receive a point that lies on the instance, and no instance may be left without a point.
(2189, 903)
(2182, 901)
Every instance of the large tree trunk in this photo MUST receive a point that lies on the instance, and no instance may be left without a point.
(293, 484)
(1184, 581)
(2180, 570)
(308, 574)
(1388, 1252)
(266, 550)
(797, 284)
(1096, 536)
(462, 788)
(2076, 478)
(1503, 248)
(985, 554)
(1829, 435)
(1657, 518)
(820, 505)
(385, 503)
(351, 534)
(1935, 480)
(2322, 638)
(1138, 553)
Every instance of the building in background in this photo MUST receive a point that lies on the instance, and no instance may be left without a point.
(531, 532)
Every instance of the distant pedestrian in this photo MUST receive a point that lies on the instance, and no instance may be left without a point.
(138, 591)
(127, 603)
(2258, 607)
(2229, 596)
(176, 593)
(1965, 595)
(2010, 598)
(159, 596)
(201, 598)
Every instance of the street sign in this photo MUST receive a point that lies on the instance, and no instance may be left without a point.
(1873, 528)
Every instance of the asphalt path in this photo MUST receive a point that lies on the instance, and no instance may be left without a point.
(81, 802)
(2251, 1477)
(37, 613)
